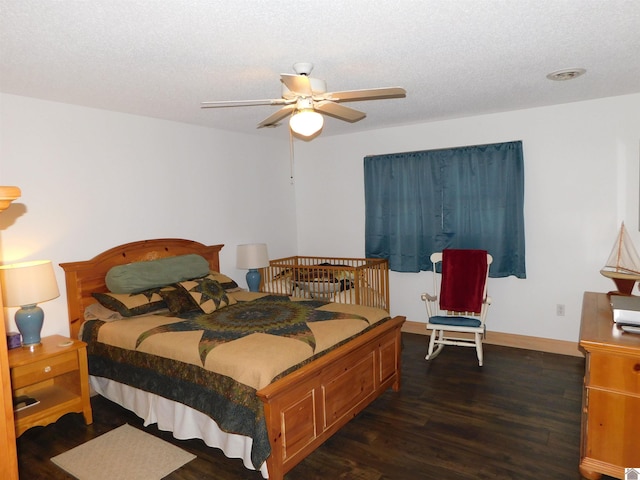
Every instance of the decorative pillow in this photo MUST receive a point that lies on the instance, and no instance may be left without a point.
(132, 304)
(200, 294)
(140, 276)
(178, 300)
(227, 283)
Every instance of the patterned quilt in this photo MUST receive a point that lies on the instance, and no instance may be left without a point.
(216, 362)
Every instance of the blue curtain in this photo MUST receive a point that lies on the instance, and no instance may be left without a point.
(422, 202)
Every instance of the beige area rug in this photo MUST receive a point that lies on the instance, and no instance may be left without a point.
(125, 453)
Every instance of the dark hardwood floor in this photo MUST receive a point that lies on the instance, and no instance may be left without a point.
(517, 417)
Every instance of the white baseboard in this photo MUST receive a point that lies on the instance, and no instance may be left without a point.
(512, 340)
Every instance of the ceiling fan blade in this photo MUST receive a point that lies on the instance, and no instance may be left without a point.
(274, 119)
(339, 111)
(367, 94)
(299, 84)
(244, 103)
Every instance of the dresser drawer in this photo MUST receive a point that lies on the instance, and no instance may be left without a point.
(35, 372)
(616, 372)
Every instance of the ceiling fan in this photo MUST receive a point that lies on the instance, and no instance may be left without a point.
(305, 99)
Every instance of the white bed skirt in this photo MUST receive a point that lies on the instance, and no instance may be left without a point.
(182, 421)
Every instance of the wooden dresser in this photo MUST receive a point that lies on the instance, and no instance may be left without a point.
(610, 438)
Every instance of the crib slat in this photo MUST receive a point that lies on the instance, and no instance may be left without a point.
(361, 281)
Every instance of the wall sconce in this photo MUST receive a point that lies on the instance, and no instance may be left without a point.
(8, 195)
(25, 285)
(252, 256)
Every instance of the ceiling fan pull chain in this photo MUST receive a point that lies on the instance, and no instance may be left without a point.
(291, 157)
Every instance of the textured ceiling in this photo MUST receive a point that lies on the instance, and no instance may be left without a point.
(455, 58)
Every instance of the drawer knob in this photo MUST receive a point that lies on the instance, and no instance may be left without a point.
(47, 369)
(636, 368)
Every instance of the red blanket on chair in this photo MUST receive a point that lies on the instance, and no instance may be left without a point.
(464, 273)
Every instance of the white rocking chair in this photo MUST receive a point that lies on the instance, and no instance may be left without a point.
(462, 306)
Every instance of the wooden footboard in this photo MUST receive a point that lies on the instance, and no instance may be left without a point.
(309, 405)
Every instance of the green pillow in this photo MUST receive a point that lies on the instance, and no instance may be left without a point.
(140, 276)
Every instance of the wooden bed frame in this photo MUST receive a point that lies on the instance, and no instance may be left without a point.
(304, 408)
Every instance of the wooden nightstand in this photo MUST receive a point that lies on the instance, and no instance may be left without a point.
(54, 374)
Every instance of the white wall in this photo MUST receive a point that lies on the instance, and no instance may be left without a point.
(581, 181)
(93, 179)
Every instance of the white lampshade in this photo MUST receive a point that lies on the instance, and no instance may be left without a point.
(306, 122)
(28, 283)
(252, 255)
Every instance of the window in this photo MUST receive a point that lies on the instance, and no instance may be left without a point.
(422, 202)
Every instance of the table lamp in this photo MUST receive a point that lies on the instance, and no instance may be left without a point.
(25, 285)
(252, 256)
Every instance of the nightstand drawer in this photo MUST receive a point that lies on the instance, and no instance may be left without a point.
(42, 370)
(616, 372)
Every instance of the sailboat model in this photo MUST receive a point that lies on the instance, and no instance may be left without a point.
(623, 264)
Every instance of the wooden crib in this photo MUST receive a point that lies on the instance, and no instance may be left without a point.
(360, 281)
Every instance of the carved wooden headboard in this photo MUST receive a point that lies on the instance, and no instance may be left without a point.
(84, 278)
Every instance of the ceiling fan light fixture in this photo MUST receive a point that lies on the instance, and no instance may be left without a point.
(306, 122)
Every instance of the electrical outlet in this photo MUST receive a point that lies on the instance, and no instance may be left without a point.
(560, 310)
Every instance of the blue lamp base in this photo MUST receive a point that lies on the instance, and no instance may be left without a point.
(29, 319)
(253, 280)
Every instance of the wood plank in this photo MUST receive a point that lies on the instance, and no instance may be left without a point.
(527, 342)
(518, 416)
